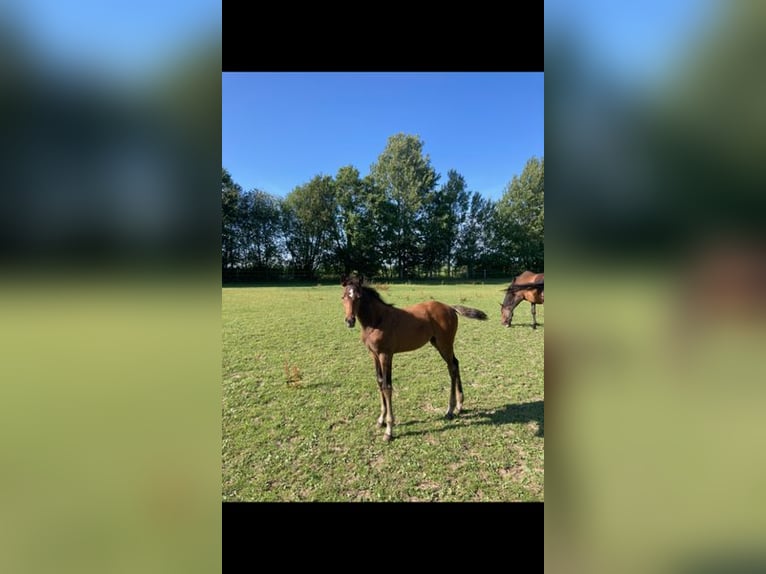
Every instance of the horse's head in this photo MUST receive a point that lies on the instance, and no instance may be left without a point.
(352, 293)
(507, 306)
(506, 315)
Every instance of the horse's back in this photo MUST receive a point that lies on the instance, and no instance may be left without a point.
(534, 294)
(433, 311)
(440, 316)
(528, 277)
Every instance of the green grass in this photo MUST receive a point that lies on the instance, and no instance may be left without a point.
(300, 402)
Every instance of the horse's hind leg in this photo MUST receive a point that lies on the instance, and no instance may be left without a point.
(456, 388)
(534, 316)
(456, 385)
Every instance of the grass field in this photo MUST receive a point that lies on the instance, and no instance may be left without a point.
(300, 402)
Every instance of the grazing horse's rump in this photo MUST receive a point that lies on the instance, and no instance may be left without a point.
(526, 287)
(387, 330)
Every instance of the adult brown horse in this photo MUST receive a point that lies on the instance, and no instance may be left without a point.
(526, 287)
(387, 330)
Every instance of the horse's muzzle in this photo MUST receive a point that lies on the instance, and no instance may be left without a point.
(351, 322)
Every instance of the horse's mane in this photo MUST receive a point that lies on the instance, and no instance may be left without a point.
(374, 294)
(514, 286)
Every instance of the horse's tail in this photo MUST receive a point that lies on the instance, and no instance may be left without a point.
(470, 313)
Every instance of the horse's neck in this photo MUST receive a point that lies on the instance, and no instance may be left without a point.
(515, 299)
(370, 312)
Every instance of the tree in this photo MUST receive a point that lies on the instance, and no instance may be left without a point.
(445, 212)
(231, 193)
(347, 192)
(434, 229)
(474, 234)
(357, 238)
(519, 222)
(405, 177)
(309, 222)
(259, 231)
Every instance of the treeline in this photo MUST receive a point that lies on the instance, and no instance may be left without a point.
(397, 222)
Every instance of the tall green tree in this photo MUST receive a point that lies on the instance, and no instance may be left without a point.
(310, 225)
(406, 178)
(475, 235)
(347, 185)
(259, 231)
(357, 240)
(231, 193)
(520, 221)
(369, 254)
(445, 212)
(434, 228)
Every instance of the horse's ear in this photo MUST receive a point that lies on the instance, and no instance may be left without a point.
(344, 280)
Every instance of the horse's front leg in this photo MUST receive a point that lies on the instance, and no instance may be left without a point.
(511, 306)
(386, 390)
(534, 317)
(381, 381)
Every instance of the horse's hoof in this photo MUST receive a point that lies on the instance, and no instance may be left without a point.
(387, 437)
(449, 416)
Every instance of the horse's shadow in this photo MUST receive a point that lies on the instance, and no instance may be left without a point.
(514, 413)
(527, 325)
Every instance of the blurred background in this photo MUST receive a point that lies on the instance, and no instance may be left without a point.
(109, 286)
(655, 139)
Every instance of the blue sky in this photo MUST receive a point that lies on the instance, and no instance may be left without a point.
(281, 129)
(113, 38)
(634, 43)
